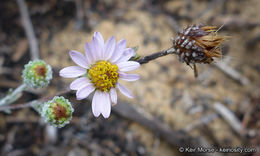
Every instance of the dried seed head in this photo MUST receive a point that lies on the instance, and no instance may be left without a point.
(198, 44)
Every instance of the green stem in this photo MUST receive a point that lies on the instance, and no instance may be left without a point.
(13, 96)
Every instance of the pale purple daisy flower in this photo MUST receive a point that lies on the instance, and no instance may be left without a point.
(99, 70)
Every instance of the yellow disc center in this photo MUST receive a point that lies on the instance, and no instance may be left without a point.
(103, 75)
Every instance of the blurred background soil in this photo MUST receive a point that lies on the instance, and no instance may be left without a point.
(167, 89)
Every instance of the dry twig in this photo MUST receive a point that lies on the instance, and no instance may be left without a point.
(235, 22)
(229, 116)
(232, 73)
(178, 139)
(80, 14)
(200, 122)
(27, 24)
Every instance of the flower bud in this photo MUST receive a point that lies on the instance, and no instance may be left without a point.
(57, 112)
(37, 74)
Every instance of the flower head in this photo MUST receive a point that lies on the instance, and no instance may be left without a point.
(37, 74)
(198, 44)
(57, 111)
(99, 70)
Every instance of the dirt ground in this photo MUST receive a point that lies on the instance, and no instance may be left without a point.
(167, 89)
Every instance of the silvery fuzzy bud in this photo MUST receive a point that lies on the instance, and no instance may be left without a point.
(37, 74)
(57, 112)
